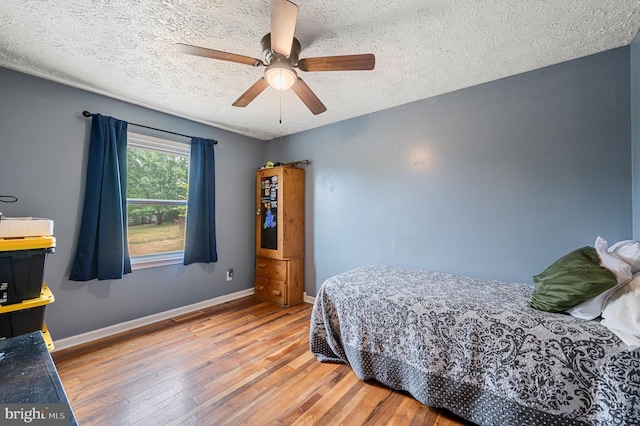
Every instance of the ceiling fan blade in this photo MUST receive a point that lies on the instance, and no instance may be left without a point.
(308, 97)
(217, 54)
(283, 25)
(251, 93)
(362, 62)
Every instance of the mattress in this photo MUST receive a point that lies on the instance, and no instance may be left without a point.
(475, 347)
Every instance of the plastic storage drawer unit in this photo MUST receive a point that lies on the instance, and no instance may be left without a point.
(22, 263)
(25, 317)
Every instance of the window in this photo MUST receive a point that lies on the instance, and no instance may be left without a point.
(157, 192)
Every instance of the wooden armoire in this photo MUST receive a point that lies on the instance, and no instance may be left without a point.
(280, 235)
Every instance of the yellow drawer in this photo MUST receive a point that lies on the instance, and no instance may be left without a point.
(271, 268)
(270, 290)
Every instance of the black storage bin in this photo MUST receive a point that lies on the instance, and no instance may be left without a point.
(21, 274)
(26, 317)
(21, 322)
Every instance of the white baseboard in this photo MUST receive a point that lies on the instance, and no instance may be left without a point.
(140, 322)
(101, 333)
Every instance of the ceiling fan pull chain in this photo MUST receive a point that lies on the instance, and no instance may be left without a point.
(280, 106)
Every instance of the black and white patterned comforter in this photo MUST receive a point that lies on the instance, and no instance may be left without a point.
(476, 348)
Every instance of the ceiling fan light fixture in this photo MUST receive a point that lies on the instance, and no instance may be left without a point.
(280, 75)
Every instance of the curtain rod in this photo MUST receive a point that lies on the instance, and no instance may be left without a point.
(88, 114)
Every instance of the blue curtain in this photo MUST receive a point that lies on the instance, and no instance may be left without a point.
(200, 236)
(102, 245)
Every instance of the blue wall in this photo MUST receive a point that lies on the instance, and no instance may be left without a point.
(635, 132)
(496, 180)
(43, 150)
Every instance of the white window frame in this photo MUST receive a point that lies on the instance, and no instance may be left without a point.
(163, 146)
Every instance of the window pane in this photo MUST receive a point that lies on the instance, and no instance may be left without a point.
(153, 175)
(155, 228)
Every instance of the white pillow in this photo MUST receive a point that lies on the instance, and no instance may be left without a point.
(592, 308)
(621, 313)
(629, 251)
(620, 268)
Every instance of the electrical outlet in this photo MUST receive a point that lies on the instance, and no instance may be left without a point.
(229, 274)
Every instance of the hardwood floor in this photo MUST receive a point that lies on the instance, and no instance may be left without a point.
(242, 362)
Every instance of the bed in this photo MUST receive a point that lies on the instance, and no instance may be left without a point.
(475, 347)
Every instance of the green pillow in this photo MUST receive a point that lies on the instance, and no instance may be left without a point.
(570, 280)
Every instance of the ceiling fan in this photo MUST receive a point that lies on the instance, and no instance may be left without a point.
(281, 52)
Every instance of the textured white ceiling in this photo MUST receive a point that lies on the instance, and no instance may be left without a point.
(126, 49)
